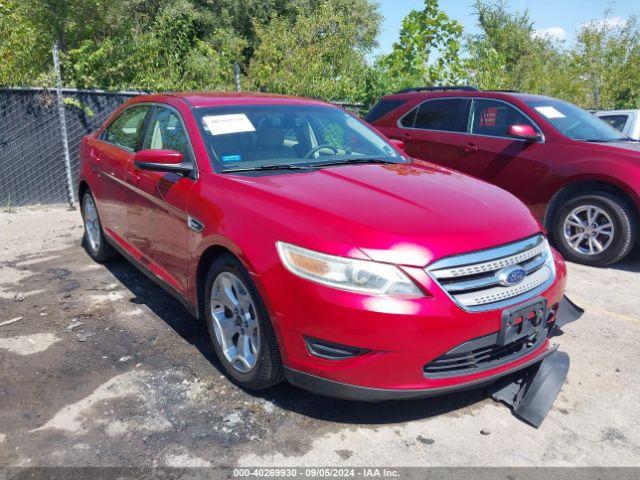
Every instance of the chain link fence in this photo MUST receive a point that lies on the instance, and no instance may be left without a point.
(32, 167)
(32, 163)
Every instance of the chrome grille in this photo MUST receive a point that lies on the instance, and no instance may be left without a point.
(472, 280)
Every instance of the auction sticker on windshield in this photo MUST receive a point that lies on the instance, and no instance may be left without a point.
(550, 112)
(224, 124)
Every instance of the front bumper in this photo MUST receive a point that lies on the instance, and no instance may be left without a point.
(330, 388)
(401, 337)
(568, 312)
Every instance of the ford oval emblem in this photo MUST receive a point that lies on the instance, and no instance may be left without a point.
(510, 276)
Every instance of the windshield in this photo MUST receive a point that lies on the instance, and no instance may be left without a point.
(250, 137)
(574, 122)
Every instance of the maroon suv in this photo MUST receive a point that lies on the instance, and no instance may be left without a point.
(579, 176)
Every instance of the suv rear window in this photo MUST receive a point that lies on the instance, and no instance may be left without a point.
(382, 108)
(616, 121)
(446, 114)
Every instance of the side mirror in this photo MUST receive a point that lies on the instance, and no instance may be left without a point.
(162, 161)
(398, 143)
(523, 132)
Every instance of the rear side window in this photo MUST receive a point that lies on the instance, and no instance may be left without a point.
(126, 130)
(491, 117)
(616, 121)
(167, 133)
(448, 115)
(382, 108)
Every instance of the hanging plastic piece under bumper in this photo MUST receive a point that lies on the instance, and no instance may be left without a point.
(567, 312)
(531, 392)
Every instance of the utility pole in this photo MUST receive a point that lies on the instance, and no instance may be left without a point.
(63, 127)
(236, 75)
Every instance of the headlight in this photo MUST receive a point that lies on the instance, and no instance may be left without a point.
(347, 273)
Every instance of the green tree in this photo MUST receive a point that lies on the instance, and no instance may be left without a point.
(427, 52)
(509, 54)
(320, 53)
(606, 60)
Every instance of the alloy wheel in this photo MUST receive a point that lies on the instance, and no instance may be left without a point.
(92, 223)
(588, 230)
(235, 322)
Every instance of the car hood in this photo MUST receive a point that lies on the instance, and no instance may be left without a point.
(408, 214)
(626, 146)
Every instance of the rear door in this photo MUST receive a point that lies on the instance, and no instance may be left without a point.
(490, 154)
(431, 131)
(157, 207)
(109, 157)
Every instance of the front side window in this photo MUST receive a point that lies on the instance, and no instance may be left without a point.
(254, 136)
(443, 114)
(493, 118)
(126, 130)
(574, 122)
(616, 121)
(166, 132)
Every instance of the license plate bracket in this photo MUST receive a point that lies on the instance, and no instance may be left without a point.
(523, 321)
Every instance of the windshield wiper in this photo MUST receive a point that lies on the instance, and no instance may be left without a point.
(351, 161)
(285, 166)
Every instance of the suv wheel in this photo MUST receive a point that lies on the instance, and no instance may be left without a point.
(94, 240)
(595, 228)
(239, 326)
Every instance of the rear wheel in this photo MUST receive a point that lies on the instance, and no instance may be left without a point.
(94, 240)
(239, 326)
(597, 228)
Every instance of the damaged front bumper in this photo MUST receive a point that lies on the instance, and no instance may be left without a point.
(531, 392)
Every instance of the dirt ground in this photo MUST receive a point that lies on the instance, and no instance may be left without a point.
(99, 367)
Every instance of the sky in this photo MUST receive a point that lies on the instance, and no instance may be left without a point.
(560, 18)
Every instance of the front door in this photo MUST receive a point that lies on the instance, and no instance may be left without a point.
(157, 212)
(110, 156)
(490, 154)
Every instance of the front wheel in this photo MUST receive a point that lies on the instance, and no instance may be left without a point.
(239, 326)
(94, 240)
(595, 229)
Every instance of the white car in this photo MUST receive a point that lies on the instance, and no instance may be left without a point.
(627, 121)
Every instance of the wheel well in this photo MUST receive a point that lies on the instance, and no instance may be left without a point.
(207, 258)
(578, 188)
(83, 187)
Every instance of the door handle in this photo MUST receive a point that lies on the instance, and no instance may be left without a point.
(470, 148)
(133, 178)
(96, 161)
(404, 137)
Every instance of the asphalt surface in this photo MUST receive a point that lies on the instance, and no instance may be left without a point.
(98, 366)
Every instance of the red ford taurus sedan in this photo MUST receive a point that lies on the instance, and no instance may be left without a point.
(315, 250)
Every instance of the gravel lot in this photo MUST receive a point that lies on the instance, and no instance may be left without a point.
(102, 368)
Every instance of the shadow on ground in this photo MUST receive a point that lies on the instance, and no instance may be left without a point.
(170, 311)
(631, 263)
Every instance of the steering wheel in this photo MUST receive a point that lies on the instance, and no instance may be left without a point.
(318, 148)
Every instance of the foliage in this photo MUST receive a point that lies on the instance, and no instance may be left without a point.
(606, 60)
(599, 71)
(321, 53)
(316, 48)
(426, 53)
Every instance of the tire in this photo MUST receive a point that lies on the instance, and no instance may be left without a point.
(94, 239)
(249, 321)
(603, 208)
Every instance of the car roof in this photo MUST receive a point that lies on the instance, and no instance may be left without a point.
(617, 112)
(499, 94)
(212, 99)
